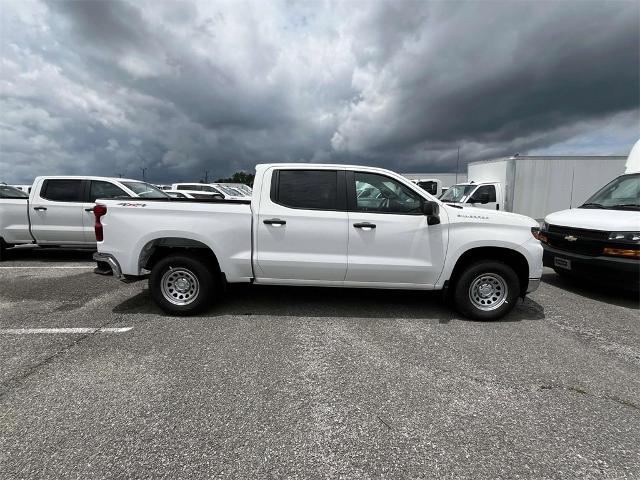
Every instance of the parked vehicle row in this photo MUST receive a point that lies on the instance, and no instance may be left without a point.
(312, 225)
(224, 190)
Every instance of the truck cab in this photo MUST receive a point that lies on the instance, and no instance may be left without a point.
(59, 209)
(487, 195)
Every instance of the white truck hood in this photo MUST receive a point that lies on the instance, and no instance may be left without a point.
(596, 219)
(472, 214)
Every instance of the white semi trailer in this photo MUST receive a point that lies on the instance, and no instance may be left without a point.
(534, 185)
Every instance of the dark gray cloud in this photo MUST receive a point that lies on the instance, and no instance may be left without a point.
(107, 87)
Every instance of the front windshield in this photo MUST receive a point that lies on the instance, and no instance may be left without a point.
(457, 193)
(145, 190)
(623, 193)
(7, 191)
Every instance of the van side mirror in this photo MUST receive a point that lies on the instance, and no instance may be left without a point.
(432, 211)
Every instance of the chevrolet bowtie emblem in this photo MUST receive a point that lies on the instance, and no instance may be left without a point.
(570, 238)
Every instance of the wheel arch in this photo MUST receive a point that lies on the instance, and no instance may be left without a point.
(511, 257)
(159, 248)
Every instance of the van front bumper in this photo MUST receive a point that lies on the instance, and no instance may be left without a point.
(616, 271)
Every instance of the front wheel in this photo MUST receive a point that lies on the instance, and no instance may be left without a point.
(486, 290)
(182, 285)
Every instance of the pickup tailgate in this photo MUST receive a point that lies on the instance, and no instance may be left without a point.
(132, 227)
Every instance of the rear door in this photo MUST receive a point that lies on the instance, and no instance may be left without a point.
(301, 230)
(56, 212)
(390, 241)
(97, 189)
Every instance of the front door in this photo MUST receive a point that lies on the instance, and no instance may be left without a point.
(97, 189)
(389, 239)
(301, 229)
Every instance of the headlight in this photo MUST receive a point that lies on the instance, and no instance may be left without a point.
(538, 234)
(625, 236)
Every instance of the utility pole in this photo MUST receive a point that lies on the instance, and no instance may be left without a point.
(458, 164)
(144, 173)
(206, 176)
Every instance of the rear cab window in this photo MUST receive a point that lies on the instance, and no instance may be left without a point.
(307, 189)
(62, 190)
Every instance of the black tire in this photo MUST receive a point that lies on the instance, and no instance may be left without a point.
(487, 277)
(196, 292)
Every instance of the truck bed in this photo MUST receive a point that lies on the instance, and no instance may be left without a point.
(222, 225)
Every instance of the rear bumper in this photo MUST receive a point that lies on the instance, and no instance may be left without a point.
(623, 272)
(111, 261)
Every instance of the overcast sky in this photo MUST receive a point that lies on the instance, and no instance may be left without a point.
(105, 87)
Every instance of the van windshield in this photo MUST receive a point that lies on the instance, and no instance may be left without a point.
(457, 193)
(623, 193)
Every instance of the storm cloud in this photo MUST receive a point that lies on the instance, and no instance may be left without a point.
(109, 87)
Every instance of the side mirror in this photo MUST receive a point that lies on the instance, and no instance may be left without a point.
(432, 212)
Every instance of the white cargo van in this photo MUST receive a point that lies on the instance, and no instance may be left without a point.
(600, 240)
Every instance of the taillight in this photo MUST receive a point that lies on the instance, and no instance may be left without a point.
(99, 211)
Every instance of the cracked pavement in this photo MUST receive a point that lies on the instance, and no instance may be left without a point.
(312, 383)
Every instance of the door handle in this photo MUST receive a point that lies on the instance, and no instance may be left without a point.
(276, 222)
(365, 225)
(88, 209)
(39, 209)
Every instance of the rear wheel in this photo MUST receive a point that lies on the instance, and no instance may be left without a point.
(182, 284)
(486, 290)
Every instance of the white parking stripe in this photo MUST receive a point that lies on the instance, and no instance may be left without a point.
(26, 331)
(48, 267)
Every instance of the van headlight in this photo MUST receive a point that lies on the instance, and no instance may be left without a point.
(625, 236)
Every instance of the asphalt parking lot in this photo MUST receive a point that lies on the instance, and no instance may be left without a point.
(310, 383)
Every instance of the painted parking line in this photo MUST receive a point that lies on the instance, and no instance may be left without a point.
(27, 331)
(49, 267)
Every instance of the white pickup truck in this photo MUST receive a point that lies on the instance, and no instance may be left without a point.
(59, 210)
(321, 225)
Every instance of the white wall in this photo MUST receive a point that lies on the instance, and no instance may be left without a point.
(543, 186)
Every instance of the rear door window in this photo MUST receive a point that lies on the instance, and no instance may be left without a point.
(307, 189)
(62, 190)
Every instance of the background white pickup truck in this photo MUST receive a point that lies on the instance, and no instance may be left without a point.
(322, 225)
(59, 210)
